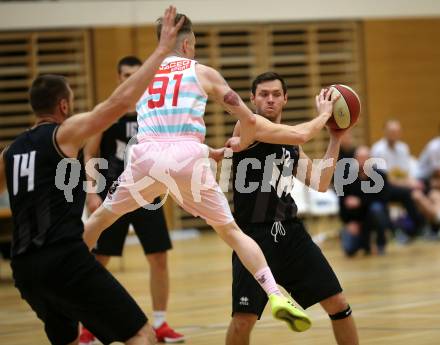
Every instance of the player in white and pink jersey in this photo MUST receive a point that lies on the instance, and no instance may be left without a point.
(174, 103)
(170, 157)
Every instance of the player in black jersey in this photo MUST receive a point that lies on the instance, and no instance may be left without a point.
(149, 225)
(52, 267)
(266, 211)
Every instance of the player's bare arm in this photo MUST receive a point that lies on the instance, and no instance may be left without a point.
(216, 86)
(234, 142)
(314, 176)
(274, 133)
(91, 150)
(74, 132)
(236, 132)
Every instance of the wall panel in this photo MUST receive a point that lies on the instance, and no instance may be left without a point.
(25, 55)
(403, 77)
(109, 46)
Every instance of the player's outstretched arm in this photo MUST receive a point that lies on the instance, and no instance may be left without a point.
(275, 133)
(74, 132)
(217, 87)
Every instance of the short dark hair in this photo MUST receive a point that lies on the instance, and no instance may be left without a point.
(129, 61)
(46, 92)
(268, 76)
(185, 29)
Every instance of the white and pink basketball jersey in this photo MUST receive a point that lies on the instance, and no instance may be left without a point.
(174, 103)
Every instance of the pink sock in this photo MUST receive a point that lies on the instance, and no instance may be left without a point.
(265, 278)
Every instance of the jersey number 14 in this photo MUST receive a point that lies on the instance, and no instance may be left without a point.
(24, 166)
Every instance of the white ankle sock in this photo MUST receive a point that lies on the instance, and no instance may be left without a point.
(158, 318)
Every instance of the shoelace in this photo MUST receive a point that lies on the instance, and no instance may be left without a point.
(277, 229)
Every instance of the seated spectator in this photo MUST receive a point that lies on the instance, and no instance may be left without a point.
(429, 160)
(398, 169)
(430, 204)
(397, 156)
(364, 213)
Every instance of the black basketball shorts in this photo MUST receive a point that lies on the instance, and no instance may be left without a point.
(297, 264)
(150, 227)
(65, 285)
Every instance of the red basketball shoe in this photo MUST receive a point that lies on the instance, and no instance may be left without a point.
(165, 334)
(86, 338)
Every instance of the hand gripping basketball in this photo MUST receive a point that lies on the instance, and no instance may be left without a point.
(346, 109)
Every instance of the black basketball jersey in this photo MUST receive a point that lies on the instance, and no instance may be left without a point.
(113, 145)
(41, 212)
(263, 180)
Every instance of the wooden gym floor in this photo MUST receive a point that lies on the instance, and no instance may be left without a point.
(396, 298)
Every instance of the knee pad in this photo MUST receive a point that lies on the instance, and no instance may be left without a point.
(342, 314)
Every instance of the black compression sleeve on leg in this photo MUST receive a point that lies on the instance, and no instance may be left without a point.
(342, 314)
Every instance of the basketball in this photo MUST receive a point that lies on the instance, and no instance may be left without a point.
(346, 109)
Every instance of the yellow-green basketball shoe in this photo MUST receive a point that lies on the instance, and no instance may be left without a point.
(284, 309)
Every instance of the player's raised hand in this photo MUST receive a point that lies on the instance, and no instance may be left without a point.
(325, 101)
(170, 29)
(234, 144)
(217, 154)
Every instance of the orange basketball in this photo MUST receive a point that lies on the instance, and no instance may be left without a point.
(346, 109)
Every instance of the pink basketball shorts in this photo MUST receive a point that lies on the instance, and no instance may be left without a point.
(172, 166)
